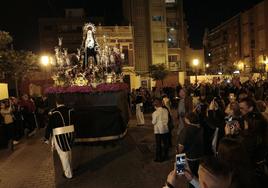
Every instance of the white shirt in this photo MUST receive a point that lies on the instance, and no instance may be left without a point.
(160, 121)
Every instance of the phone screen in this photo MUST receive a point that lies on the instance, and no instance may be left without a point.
(180, 163)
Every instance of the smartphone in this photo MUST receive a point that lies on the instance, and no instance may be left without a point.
(180, 163)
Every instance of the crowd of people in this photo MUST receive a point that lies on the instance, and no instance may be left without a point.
(22, 116)
(222, 129)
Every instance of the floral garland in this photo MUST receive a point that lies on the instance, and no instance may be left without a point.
(112, 87)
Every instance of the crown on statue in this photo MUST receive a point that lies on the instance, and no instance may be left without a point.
(89, 26)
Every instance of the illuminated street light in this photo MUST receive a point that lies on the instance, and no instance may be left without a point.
(44, 60)
(195, 62)
(207, 65)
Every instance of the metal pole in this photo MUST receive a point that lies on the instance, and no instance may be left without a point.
(195, 75)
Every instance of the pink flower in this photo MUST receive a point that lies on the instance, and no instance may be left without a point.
(89, 89)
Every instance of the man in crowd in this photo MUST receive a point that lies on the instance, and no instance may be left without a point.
(190, 141)
(61, 127)
(28, 112)
(160, 122)
(139, 108)
(254, 129)
(212, 172)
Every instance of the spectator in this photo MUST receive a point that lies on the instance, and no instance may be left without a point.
(212, 173)
(261, 106)
(166, 102)
(160, 122)
(28, 109)
(6, 112)
(133, 100)
(254, 129)
(18, 120)
(167, 105)
(233, 152)
(190, 141)
(139, 108)
(185, 106)
(42, 111)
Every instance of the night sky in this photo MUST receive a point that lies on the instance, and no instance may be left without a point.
(201, 14)
(20, 17)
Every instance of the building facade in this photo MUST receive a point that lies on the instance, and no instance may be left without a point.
(68, 27)
(240, 43)
(160, 36)
(223, 46)
(254, 32)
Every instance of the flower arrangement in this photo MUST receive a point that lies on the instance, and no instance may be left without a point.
(112, 87)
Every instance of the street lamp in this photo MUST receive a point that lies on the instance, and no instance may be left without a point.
(45, 61)
(195, 64)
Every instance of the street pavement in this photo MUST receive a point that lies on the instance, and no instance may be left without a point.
(127, 163)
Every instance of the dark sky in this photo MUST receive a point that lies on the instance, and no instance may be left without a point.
(20, 17)
(201, 14)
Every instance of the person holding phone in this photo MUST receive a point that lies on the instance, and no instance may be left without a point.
(190, 141)
(212, 173)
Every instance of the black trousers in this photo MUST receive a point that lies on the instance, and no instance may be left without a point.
(29, 121)
(10, 131)
(161, 152)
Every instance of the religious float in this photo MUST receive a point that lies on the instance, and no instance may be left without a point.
(91, 81)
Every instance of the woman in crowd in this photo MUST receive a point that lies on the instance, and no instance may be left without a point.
(190, 141)
(233, 151)
(6, 112)
(185, 106)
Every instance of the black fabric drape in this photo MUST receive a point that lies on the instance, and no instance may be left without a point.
(97, 114)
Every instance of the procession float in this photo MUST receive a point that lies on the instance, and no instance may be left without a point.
(91, 81)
